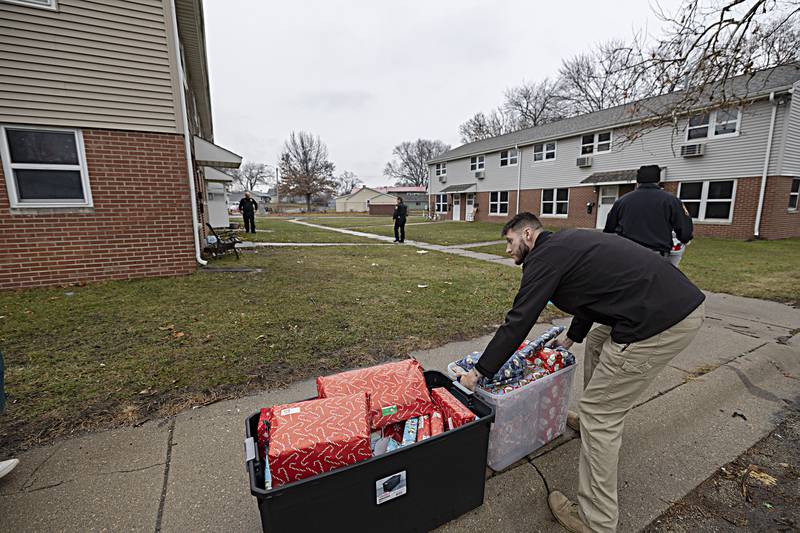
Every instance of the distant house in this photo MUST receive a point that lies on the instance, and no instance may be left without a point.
(106, 140)
(736, 170)
(366, 200)
(413, 197)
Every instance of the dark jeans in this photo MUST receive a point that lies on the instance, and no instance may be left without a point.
(400, 230)
(249, 222)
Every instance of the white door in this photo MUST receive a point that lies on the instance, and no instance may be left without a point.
(456, 207)
(608, 195)
(469, 210)
(217, 205)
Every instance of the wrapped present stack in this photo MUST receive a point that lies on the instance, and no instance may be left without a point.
(357, 415)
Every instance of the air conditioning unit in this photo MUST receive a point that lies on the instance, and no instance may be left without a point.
(693, 150)
(480, 174)
(584, 162)
(442, 179)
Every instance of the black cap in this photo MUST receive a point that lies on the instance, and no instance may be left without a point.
(648, 174)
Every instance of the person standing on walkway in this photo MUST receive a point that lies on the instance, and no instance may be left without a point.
(248, 207)
(649, 215)
(400, 215)
(647, 312)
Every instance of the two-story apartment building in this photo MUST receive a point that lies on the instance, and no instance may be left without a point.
(106, 140)
(737, 170)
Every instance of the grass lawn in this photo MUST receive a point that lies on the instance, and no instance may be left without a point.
(119, 352)
(285, 231)
(759, 269)
(357, 222)
(446, 233)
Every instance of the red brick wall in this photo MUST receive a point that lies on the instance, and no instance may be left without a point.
(140, 224)
(376, 209)
(777, 222)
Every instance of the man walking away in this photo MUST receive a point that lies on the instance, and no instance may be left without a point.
(647, 312)
(400, 214)
(649, 215)
(248, 207)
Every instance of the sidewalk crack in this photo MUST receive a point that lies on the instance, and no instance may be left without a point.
(163, 498)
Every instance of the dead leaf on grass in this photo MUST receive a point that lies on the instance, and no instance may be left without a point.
(762, 477)
(179, 334)
(167, 327)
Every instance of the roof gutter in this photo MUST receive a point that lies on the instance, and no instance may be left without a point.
(786, 88)
(187, 139)
(759, 211)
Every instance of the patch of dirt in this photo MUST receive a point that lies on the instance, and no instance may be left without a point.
(759, 491)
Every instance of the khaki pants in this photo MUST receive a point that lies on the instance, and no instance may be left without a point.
(615, 375)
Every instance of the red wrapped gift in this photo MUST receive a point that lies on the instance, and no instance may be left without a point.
(394, 431)
(437, 422)
(262, 432)
(423, 428)
(312, 437)
(455, 412)
(397, 391)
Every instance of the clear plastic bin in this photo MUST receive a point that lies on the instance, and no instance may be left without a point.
(526, 418)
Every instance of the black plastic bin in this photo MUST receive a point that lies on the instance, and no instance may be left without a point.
(443, 477)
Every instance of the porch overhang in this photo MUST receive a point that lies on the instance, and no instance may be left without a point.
(211, 155)
(468, 187)
(614, 177)
(212, 174)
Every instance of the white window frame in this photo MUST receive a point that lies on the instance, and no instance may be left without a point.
(477, 162)
(555, 201)
(508, 158)
(9, 167)
(596, 142)
(712, 127)
(498, 203)
(51, 5)
(701, 214)
(795, 194)
(439, 201)
(440, 169)
(543, 153)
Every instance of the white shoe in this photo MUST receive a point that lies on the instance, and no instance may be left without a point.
(7, 466)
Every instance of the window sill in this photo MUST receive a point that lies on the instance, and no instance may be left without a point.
(713, 222)
(702, 140)
(536, 163)
(498, 214)
(508, 166)
(554, 216)
(83, 210)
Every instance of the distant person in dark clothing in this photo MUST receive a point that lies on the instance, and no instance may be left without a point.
(248, 208)
(400, 214)
(649, 215)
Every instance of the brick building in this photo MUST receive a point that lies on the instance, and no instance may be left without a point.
(736, 170)
(107, 145)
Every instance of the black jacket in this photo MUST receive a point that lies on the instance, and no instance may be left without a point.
(648, 216)
(597, 278)
(248, 206)
(400, 213)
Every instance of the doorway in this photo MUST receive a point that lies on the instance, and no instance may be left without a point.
(606, 198)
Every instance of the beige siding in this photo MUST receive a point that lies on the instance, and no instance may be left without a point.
(101, 64)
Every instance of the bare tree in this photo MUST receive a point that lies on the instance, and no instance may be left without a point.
(410, 163)
(600, 79)
(250, 175)
(534, 103)
(705, 45)
(305, 169)
(484, 126)
(346, 182)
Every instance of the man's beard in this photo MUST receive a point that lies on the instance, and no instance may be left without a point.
(523, 250)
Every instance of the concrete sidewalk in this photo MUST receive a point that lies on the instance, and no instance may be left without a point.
(187, 473)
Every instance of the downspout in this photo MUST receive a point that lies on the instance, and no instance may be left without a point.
(186, 137)
(519, 174)
(757, 229)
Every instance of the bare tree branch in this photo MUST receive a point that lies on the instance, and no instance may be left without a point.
(250, 175)
(410, 163)
(305, 169)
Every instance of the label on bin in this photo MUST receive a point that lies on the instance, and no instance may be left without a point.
(390, 410)
(290, 411)
(390, 487)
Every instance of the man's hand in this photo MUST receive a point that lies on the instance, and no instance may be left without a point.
(566, 343)
(470, 379)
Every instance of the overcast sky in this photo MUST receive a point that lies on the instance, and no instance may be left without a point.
(367, 75)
